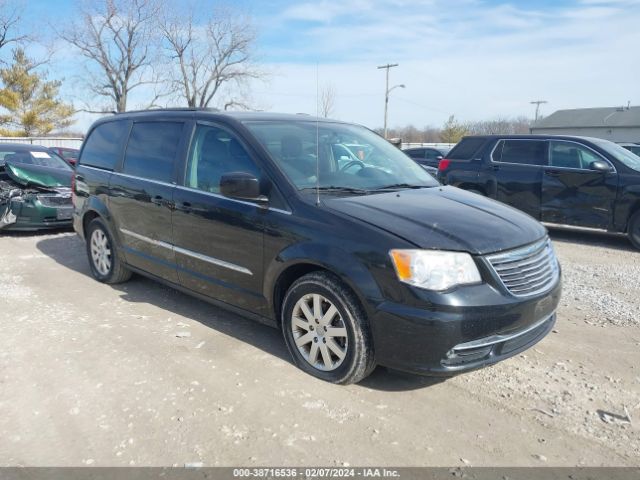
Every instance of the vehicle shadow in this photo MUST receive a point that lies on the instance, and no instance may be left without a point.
(69, 251)
(594, 238)
(389, 380)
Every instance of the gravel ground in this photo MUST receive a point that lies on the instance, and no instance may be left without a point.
(139, 374)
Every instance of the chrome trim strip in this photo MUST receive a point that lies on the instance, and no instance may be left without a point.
(518, 253)
(157, 243)
(217, 195)
(215, 261)
(152, 180)
(190, 253)
(493, 339)
(104, 170)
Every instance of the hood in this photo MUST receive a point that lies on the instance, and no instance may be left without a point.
(444, 218)
(36, 175)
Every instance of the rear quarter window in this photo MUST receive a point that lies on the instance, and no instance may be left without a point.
(102, 148)
(466, 148)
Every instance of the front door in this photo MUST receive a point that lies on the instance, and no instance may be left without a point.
(517, 172)
(141, 196)
(218, 240)
(572, 193)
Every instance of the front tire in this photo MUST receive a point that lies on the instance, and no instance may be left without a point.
(326, 329)
(104, 259)
(633, 232)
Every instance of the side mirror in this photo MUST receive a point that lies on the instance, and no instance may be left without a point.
(439, 157)
(600, 166)
(241, 186)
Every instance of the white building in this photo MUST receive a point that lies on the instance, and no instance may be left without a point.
(618, 124)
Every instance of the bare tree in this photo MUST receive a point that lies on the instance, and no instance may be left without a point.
(500, 126)
(10, 17)
(116, 37)
(209, 57)
(327, 100)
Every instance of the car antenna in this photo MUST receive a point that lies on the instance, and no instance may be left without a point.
(317, 137)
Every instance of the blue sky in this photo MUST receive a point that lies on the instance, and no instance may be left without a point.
(476, 59)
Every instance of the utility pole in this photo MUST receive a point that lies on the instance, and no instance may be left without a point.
(386, 94)
(537, 103)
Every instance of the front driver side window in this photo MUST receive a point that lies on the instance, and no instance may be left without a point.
(215, 152)
(571, 155)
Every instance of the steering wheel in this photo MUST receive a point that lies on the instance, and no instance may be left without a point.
(351, 164)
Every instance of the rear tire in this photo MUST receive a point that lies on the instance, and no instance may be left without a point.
(633, 231)
(104, 258)
(326, 329)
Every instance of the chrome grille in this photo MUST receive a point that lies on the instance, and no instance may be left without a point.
(55, 200)
(528, 270)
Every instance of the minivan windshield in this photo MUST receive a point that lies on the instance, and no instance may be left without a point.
(338, 157)
(630, 159)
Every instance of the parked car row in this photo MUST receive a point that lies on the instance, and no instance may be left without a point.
(320, 228)
(580, 181)
(326, 231)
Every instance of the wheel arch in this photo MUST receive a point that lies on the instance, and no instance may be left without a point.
(303, 259)
(634, 210)
(95, 208)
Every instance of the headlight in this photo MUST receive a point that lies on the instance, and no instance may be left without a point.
(434, 270)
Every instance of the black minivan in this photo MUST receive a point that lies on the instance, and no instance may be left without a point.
(579, 181)
(358, 262)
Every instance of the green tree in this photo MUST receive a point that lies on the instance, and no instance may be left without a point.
(30, 102)
(452, 131)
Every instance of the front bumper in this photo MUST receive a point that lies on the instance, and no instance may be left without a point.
(480, 326)
(31, 215)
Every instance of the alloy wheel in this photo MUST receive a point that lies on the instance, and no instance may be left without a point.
(101, 252)
(319, 332)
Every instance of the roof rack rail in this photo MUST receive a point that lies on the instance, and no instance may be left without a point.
(172, 109)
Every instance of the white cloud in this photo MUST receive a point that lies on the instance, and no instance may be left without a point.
(463, 57)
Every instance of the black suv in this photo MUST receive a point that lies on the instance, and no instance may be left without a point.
(358, 262)
(580, 181)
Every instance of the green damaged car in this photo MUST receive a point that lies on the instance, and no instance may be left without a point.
(35, 188)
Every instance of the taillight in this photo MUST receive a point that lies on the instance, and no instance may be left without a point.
(444, 164)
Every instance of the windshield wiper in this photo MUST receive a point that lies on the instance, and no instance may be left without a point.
(398, 186)
(333, 189)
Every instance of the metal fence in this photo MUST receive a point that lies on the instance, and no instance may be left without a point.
(67, 142)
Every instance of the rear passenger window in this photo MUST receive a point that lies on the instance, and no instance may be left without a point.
(466, 148)
(102, 148)
(215, 152)
(525, 152)
(151, 150)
